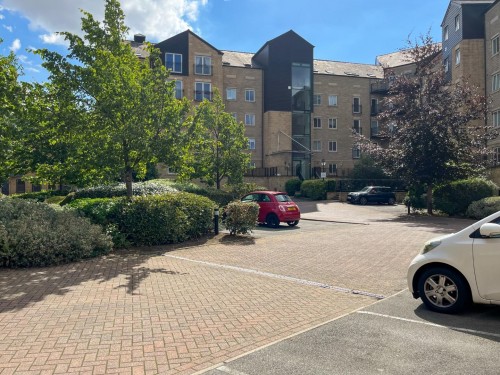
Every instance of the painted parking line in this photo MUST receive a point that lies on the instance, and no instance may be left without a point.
(230, 371)
(282, 277)
(465, 330)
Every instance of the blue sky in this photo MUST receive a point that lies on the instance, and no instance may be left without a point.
(341, 30)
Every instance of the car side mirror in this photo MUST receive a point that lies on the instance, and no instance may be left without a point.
(490, 230)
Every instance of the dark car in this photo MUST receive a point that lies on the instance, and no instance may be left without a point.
(372, 194)
(274, 207)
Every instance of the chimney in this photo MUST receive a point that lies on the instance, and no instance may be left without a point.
(139, 38)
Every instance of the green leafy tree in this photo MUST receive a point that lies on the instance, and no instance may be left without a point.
(220, 148)
(436, 128)
(367, 168)
(129, 115)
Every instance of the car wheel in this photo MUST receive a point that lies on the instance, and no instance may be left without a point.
(391, 201)
(363, 201)
(292, 223)
(273, 221)
(443, 290)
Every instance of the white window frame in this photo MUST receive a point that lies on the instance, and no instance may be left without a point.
(332, 123)
(457, 22)
(231, 93)
(332, 168)
(174, 55)
(495, 118)
(446, 33)
(354, 99)
(359, 131)
(317, 123)
(317, 99)
(250, 95)
(203, 91)
(251, 143)
(333, 100)
(372, 123)
(203, 62)
(249, 119)
(178, 91)
(457, 56)
(446, 64)
(171, 170)
(496, 155)
(332, 146)
(495, 45)
(316, 145)
(495, 82)
(356, 152)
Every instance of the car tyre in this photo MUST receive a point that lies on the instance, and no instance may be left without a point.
(363, 201)
(443, 290)
(272, 221)
(391, 201)
(292, 223)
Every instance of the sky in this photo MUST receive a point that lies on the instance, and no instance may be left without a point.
(341, 30)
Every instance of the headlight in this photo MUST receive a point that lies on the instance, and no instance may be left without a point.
(430, 246)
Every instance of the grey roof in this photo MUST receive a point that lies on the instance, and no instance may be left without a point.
(393, 59)
(140, 49)
(339, 68)
(239, 59)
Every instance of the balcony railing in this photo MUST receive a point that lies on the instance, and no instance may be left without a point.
(380, 87)
(200, 95)
(203, 69)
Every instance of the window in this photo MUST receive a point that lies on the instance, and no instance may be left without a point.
(316, 146)
(446, 65)
(249, 119)
(374, 107)
(332, 169)
(249, 95)
(178, 89)
(332, 146)
(374, 127)
(252, 165)
(203, 90)
(332, 123)
(20, 186)
(203, 65)
(496, 119)
(356, 105)
(171, 170)
(235, 115)
(495, 45)
(457, 56)
(317, 123)
(356, 153)
(332, 100)
(251, 143)
(496, 155)
(173, 61)
(356, 126)
(446, 34)
(495, 82)
(231, 94)
(457, 22)
(317, 99)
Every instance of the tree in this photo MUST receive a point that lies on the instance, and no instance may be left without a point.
(220, 149)
(436, 129)
(366, 168)
(10, 90)
(130, 115)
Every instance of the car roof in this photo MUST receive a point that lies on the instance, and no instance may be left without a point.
(272, 192)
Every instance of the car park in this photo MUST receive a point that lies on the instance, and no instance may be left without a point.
(274, 207)
(372, 194)
(453, 270)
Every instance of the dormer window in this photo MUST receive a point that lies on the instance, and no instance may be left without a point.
(173, 62)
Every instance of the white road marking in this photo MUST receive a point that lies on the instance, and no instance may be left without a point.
(229, 370)
(473, 331)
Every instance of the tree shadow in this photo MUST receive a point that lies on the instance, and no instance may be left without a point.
(244, 240)
(438, 224)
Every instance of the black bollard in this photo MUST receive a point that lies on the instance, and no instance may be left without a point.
(216, 220)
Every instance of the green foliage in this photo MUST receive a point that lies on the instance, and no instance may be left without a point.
(330, 185)
(292, 186)
(241, 217)
(34, 234)
(483, 207)
(313, 189)
(367, 169)
(416, 197)
(454, 198)
(239, 190)
(120, 190)
(40, 196)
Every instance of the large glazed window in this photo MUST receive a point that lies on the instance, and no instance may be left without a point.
(173, 61)
(301, 87)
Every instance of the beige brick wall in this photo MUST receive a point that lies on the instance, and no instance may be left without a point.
(492, 29)
(471, 66)
(277, 146)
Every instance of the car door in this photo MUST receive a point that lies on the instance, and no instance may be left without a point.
(486, 252)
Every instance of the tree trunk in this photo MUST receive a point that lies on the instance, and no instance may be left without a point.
(128, 183)
(429, 199)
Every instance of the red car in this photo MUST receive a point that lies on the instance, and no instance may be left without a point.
(274, 207)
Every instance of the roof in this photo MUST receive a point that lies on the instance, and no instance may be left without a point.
(140, 49)
(393, 59)
(239, 59)
(348, 69)
(463, 2)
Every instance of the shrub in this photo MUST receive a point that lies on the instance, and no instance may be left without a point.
(292, 186)
(41, 196)
(120, 190)
(454, 198)
(330, 185)
(35, 234)
(416, 197)
(483, 207)
(239, 190)
(314, 189)
(241, 218)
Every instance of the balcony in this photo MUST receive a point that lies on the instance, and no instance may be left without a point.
(380, 87)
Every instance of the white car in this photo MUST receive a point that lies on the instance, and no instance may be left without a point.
(459, 268)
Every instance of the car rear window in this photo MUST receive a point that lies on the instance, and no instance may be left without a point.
(282, 198)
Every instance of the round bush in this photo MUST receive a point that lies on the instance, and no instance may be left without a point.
(454, 198)
(35, 234)
(483, 207)
(241, 218)
(314, 189)
(120, 190)
(292, 186)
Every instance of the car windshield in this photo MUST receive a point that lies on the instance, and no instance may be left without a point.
(282, 198)
(366, 189)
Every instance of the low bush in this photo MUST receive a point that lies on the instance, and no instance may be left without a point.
(34, 234)
(454, 198)
(292, 186)
(41, 196)
(241, 218)
(239, 190)
(313, 189)
(483, 207)
(120, 190)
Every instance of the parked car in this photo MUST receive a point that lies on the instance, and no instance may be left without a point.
(274, 207)
(372, 194)
(459, 268)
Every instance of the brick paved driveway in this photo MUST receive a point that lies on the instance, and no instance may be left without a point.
(180, 310)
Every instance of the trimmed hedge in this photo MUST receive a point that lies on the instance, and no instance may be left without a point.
(34, 234)
(483, 207)
(292, 186)
(241, 218)
(454, 198)
(314, 189)
(120, 190)
(41, 196)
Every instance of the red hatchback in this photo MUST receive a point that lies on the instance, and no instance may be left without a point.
(274, 207)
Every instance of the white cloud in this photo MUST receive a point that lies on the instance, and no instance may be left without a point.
(53, 39)
(15, 46)
(8, 28)
(1, 16)
(32, 70)
(156, 19)
(24, 59)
